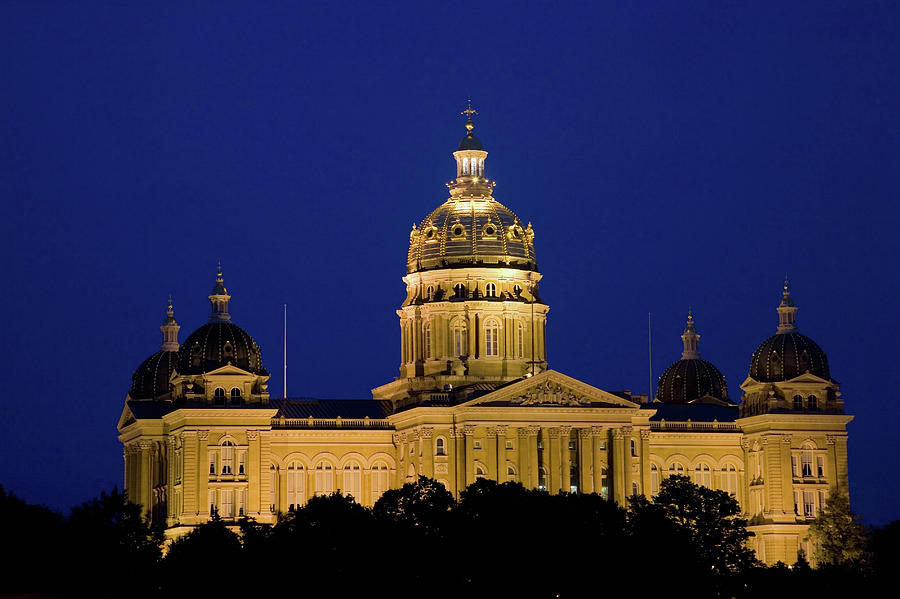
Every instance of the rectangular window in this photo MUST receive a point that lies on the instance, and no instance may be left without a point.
(821, 501)
(795, 466)
(212, 502)
(806, 462)
(509, 445)
(227, 459)
(809, 504)
(227, 504)
(242, 502)
(242, 462)
(796, 503)
(476, 444)
(212, 462)
(820, 466)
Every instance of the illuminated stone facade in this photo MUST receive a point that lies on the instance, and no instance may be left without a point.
(475, 398)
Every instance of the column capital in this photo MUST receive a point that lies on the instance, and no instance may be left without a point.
(645, 434)
(831, 439)
(522, 432)
(532, 430)
(597, 431)
(469, 430)
(395, 437)
(203, 435)
(584, 433)
(554, 431)
(786, 439)
(145, 445)
(745, 444)
(564, 430)
(426, 432)
(252, 435)
(627, 430)
(499, 430)
(618, 433)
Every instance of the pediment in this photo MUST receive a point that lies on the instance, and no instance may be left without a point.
(228, 370)
(552, 389)
(126, 418)
(807, 378)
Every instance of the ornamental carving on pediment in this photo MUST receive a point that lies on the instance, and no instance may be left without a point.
(550, 394)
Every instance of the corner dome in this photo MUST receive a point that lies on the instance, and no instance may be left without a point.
(688, 380)
(691, 378)
(218, 344)
(784, 356)
(787, 354)
(151, 379)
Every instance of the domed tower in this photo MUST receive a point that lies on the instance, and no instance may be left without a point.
(152, 378)
(472, 312)
(690, 379)
(220, 363)
(788, 371)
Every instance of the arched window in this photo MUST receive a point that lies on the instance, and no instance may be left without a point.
(520, 339)
(426, 339)
(491, 338)
(236, 396)
(380, 479)
(798, 402)
(517, 290)
(703, 475)
(676, 468)
(510, 473)
(296, 485)
(490, 290)
(459, 290)
(479, 471)
(634, 490)
(729, 479)
(812, 403)
(460, 337)
(227, 457)
(439, 448)
(465, 165)
(654, 479)
(219, 396)
(353, 480)
(481, 166)
(429, 293)
(411, 474)
(324, 478)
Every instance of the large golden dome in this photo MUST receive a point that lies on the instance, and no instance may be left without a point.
(471, 231)
(471, 228)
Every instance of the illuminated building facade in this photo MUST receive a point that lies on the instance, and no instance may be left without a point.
(475, 398)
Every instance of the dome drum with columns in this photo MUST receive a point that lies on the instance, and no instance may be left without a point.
(475, 399)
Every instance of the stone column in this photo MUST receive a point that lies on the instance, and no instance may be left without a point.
(491, 449)
(203, 473)
(500, 458)
(395, 472)
(266, 494)
(254, 474)
(554, 485)
(170, 480)
(426, 434)
(190, 465)
(619, 464)
(645, 461)
(744, 475)
(532, 456)
(598, 435)
(459, 459)
(522, 455)
(585, 461)
(566, 459)
(469, 432)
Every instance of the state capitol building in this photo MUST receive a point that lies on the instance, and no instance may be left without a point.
(475, 398)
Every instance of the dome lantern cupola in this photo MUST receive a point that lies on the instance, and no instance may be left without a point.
(169, 330)
(787, 311)
(691, 379)
(219, 299)
(691, 340)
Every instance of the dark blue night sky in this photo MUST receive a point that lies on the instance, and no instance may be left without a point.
(668, 156)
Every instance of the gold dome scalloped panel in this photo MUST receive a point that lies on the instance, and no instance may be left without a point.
(471, 232)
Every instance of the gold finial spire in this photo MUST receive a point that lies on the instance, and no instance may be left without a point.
(468, 112)
(170, 311)
(219, 278)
